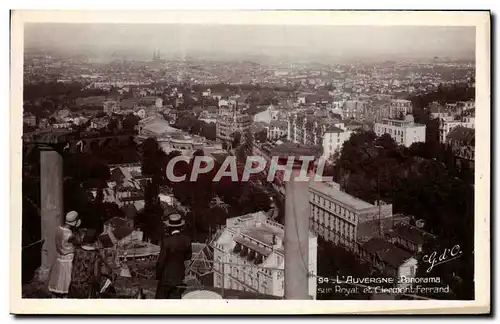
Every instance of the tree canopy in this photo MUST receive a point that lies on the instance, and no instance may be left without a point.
(421, 181)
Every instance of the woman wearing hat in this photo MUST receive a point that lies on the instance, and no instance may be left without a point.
(88, 268)
(60, 276)
(170, 268)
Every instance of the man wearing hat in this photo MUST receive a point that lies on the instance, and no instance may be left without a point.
(60, 275)
(170, 268)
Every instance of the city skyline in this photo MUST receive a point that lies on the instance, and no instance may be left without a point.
(343, 43)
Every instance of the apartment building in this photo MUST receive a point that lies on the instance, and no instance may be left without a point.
(249, 255)
(399, 107)
(310, 130)
(335, 215)
(463, 141)
(230, 119)
(333, 139)
(277, 129)
(354, 109)
(404, 132)
(447, 124)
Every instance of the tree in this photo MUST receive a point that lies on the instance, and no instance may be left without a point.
(421, 181)
(130, 122)
(109, 210)
(216, 202)
(246, 147)
(254, 199)
(236, 139)
(261, 136)
(387, 142)
(153, 159)
(28, 128)
(209, 131)
(113, 125)
(196, 127)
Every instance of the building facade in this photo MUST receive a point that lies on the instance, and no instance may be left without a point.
(230, 120)
(267, 115)
(277, 129)
(462, 142)
(310, 130)
(335, 215)
(446, 124)
(399, 107)
(354, 109)
(391, 260)
(404, 132)
(249, 255)
(333, 139)
(110, 106)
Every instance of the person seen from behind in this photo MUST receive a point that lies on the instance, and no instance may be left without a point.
(60, 275)
(170, 268)
(89, 268)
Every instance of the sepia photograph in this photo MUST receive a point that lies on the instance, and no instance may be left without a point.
(309, 159)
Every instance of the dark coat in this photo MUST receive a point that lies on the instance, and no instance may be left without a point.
(175, 249)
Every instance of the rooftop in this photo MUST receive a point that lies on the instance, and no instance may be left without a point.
(331, 190)
(158, 126)
(138, 249)
(279, 123)
(264, 233)
(48, 136)
(334, 129)
(252, 246)
(370, 228)
(400, 123)
(462, 134)
(411, 233)
(387, 252)
(294, 149)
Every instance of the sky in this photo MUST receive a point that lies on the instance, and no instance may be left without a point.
(385, 42)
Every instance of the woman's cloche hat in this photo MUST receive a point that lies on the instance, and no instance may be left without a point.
(72, 219)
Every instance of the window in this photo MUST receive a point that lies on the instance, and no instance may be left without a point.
(412, 271)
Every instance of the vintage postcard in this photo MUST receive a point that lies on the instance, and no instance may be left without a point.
(250, 162)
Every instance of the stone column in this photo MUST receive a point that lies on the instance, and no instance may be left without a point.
(51, 199)
(296, 240)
